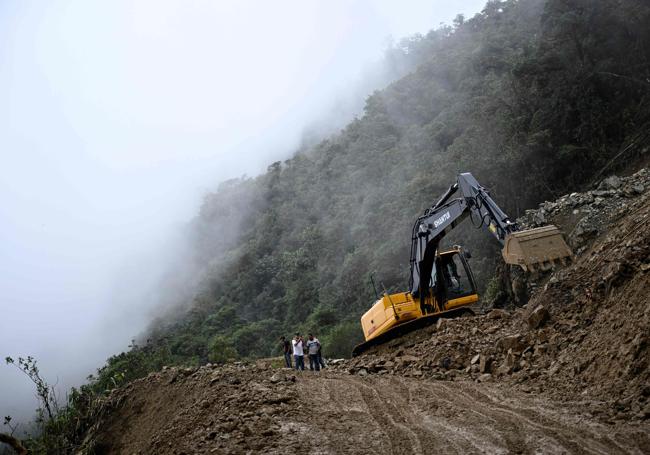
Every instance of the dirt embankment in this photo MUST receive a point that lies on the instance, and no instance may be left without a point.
(567, 373)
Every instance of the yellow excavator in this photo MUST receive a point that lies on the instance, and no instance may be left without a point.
(441, 282)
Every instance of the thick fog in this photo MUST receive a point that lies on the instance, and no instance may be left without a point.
(116, 117)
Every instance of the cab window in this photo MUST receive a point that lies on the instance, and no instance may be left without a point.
(455, 276)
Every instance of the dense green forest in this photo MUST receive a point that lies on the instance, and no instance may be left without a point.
(532, 97)
(535, 98)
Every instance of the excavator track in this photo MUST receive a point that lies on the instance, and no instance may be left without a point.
(410, 326)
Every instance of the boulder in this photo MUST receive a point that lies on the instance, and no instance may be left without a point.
(512, 342)
(538, 317)
(508, 364)
(610, 183)
(497, 314)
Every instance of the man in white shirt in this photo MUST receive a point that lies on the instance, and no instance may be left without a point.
(298, 352)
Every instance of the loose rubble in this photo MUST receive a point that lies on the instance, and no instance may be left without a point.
(585, 330)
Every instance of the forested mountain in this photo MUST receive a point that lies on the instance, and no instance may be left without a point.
(535, 98)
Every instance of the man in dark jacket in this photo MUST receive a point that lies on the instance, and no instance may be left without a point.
(286, 349)
(313, 346)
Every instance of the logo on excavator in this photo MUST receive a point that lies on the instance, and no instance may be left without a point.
(442, 219)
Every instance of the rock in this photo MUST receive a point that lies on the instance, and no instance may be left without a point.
(475, 359)
(485, 364)
(441, 324)
(275, 378)
(538, 317)
(408, 359)
(508, 364)
(497, 314)
(362, 372)
(485, 377)
(540, 350)
(188, 371)
(610, 183)
(512, 342)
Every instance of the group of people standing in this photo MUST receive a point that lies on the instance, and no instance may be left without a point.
(297, 348)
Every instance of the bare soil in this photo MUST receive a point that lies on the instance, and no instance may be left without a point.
(256, 409)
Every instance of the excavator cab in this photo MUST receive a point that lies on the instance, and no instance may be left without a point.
(452, 283)
(457, 277)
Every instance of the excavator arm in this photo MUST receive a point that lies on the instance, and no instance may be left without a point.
(466, 197)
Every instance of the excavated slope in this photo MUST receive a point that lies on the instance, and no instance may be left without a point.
(567, 373)
(582, 338)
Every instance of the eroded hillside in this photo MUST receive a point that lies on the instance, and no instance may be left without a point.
(567, 373)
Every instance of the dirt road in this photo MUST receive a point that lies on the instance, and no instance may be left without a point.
(257, 409)
(408, 416)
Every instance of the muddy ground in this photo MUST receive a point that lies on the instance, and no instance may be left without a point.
(254, 408)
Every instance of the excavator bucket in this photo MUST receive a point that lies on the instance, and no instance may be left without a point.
(536, 249)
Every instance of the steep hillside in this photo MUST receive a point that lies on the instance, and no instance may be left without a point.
(568, 373)
(535, 98)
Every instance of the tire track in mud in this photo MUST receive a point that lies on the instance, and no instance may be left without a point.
(539, 420)
(403, 416)
(283, 412)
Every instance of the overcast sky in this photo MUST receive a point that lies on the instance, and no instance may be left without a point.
(115, 118)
